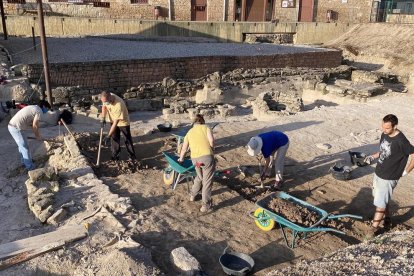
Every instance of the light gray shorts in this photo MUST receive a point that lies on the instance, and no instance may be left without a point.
(382, 191)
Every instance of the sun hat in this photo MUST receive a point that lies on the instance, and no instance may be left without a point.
(254, 146)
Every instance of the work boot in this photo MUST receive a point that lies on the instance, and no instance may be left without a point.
(387, 222)
(115, 158)
(192, 198)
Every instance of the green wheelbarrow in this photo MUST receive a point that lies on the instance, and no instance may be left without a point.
(177, 172)
(265, 219)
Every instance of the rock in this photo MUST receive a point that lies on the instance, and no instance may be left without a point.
(185, 262)
(324, 146)
(22, 91)
(334, 89)
(365, 76)
(46, 173)
(167, 111)
(321, 87)
(42, 204)
(210, 94)
(96, 98)
(192, 112)
(57, 217)
(94, 109)
(44, 215)
(120, 206)
(144, 104)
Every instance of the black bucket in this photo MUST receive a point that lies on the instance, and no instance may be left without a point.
(237, 264)
(164, 127)
(358, 158)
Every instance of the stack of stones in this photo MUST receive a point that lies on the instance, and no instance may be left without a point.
(42, 186)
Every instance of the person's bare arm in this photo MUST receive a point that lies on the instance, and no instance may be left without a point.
(35, 127)
(184, 149)
(113, 127)
(410, 166)
(376, 155)
(104, 111)
(210, 138)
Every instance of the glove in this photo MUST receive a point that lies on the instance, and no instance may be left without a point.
(103, 122)
(106, 140)
(404, 173)
(369, 159)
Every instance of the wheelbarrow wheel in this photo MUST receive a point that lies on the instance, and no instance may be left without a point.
(168, 177)
(263, 221)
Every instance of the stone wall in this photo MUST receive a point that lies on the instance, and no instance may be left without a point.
(306, 33)
(285, 14)
(129, 73)
(400, 18)
(353, 11)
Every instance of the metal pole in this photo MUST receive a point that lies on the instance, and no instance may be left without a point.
(169, 10)
(34, 39)
(44, 51)
(3, 20)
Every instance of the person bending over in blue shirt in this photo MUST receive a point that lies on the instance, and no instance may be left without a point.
(271, 144)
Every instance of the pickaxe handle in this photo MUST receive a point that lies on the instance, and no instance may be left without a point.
(70, 132)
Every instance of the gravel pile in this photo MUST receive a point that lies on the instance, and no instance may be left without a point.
(389, 254)
(104, 49)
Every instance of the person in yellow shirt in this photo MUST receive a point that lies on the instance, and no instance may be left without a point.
(200, 140)
(115, 109)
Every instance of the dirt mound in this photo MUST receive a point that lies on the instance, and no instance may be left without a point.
(298, 214)
(385, 47)
(389, 254)
(90, 144)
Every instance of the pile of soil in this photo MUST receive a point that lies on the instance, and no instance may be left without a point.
(299, 214)
(109, 168)
(112, 168)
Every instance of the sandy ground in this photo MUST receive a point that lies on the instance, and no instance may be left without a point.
(168, 220)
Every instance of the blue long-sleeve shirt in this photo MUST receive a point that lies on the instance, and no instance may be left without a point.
(272, 141)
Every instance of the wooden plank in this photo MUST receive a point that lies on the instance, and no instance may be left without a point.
(27, 255)
(36, 243)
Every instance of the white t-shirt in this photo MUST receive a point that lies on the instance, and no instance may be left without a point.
(23, 119)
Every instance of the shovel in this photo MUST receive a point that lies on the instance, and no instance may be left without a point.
(262, 186)
(98, 161)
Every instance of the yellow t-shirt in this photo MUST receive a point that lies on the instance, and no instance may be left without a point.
(198, 141)
(118, 111)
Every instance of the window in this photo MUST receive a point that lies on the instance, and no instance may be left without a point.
(139, 1)
(101, 4)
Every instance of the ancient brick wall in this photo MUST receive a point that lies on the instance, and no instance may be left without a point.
(120, 75)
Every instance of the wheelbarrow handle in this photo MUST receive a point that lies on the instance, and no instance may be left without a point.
(251, 214)
(344, 216)
(330, 230)
(319, 221)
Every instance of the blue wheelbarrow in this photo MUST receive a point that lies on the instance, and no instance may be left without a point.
(177, 172)
(265, 219)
